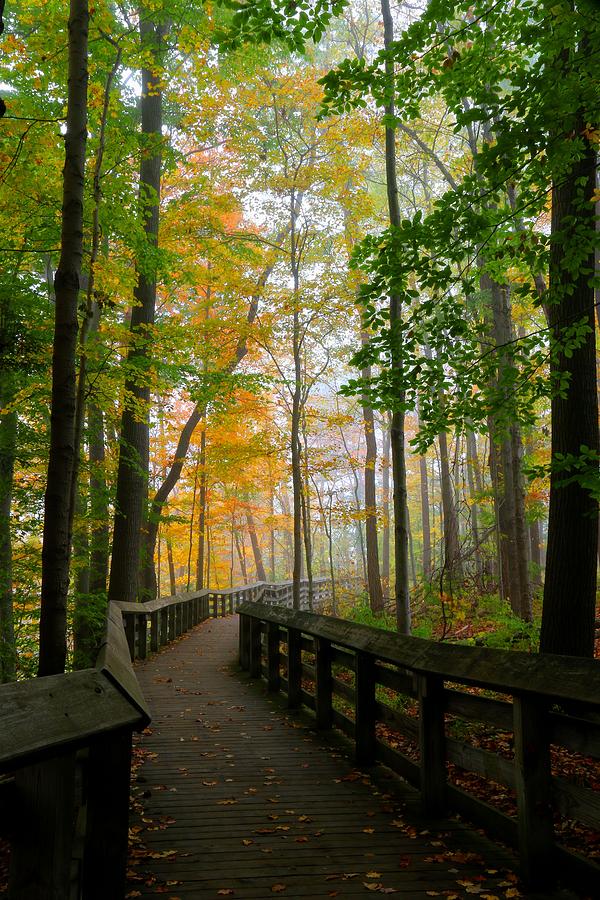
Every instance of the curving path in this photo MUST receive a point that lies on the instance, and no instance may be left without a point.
(235, 796)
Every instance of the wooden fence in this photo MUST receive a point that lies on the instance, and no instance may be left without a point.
(542, 701)
(149, 626)
(67, 739)
(65, 749)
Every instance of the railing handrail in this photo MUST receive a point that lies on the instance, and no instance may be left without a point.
(566, 678)
(419, 669)
(162, 602)
(43, 716)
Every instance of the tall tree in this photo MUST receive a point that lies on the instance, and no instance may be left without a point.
(397, 438)
(134, 442)
(571, 563)
(56, 550)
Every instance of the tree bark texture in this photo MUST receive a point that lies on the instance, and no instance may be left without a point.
(373, 572)
(397, 437)
(56, 550)
(201, 514)
(134, 445)
(8, 441)
(571, 560)
(261, 575)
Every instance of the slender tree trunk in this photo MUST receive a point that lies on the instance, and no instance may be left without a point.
(8, 440)
(452, 562)
(241, 554)
(56, 548)
(272, 533)
(134, 447)
(472, 465)
(191, 531)
(258, 560)
(172, 579)
(373, 573)
(571, 562)
(385, 503)
(201, 514)
(411, 551)
(509, 480)
(535, 539)
(84, 644)
(425, 522)
(306, 517)
(397, 439)
(296, 411)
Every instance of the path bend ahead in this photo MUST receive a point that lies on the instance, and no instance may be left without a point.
(234, 796)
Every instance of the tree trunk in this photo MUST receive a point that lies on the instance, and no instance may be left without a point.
(425, 522)
(509, 481)
(272, 533)
(8, 440)
(201, 514)
(472, 466)
(241, 554)
(296, 412)
(385, 503)
(571, 558)
(397, 437)
(56, 548)
(258, 561)
(373, 573)
(452, 561)
(172, 579)
(84, 644)
(306, 517)
(134, 446)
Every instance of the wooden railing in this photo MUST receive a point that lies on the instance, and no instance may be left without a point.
(65, 749)
(149, 626)
(545, 700)
(66, 740)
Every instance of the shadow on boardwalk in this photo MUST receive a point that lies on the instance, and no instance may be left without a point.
(235, 796)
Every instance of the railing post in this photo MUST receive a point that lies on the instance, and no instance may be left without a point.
(432, 743)
(255, 647)
(42, 849)
(172, 623)
(231, 604)
(178, 619)
(164, 625)
(533, 788)
(294, 668)
(244, 641)
(215, 610)
(105, 850)
(129, 619)
(142, 636)
(323, 694)
(273, 657)
(154, 635)
(364, 722)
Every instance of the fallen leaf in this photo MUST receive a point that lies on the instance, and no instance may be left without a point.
(278, 888)
(225, 892)
(247, 841)
(369, 830)
(373, 875)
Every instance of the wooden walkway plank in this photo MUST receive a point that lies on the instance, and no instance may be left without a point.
(237, 796)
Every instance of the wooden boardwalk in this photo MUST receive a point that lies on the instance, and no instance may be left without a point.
(236, 796)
